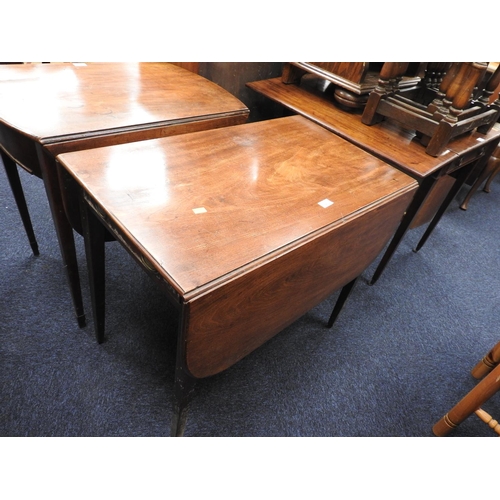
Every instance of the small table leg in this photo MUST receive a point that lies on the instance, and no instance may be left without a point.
(459, 182)
(344, 294)
(17, 191)
(94, 236)
(184, 384)
(63, 228)
(183, 393)
(184, 388)
(419, 198)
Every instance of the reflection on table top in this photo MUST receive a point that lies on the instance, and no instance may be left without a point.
(387, 140)
(212, 203)
(53, 101)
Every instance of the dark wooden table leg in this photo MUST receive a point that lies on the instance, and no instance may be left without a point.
(420, 196)
(183, 389)
(64, 230)
(94, 235)
(495, 171)
(184, 384)
(17, 191)
(461, 177)
(481, 178)
(459, 182)
(344, 294)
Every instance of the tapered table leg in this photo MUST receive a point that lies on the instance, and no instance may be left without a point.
(185, 383)
(94, 236)
(419, 198)
(481, 178)
(344, 294)
(183, 390)
(63, 228)
(455, 188)
(17, 191)
(495, 171)
(463, 173)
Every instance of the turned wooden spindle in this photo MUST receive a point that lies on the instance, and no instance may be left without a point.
(487, 363)
(491, 86)
(388, 82)
(488, 419)
(469, 404)
(461, 88)
(439, 104)
(435, 73)
(390, 74)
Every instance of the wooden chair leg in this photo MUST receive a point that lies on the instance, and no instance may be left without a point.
(487, 364)
(483, 391)
(488, 419)
(489, 171)
(486, 188)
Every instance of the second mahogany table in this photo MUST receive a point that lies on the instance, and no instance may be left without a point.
(440, 178)
(47, 109)
(245, 227)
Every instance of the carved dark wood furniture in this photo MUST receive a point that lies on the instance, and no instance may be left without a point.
(352, 81)
(246, 227)
(488, 370)
(440, 177)
(452, 113)
(47, 109)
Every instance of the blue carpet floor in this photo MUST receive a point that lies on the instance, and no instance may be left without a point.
(398, 357)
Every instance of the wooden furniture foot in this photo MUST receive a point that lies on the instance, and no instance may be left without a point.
(183, 391)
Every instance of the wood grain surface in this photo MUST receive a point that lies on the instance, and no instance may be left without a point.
(259, 185)
(54, 102)
(250, 225)
(386, 140)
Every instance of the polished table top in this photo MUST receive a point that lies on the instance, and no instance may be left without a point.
(47, 109)
(63, 101)
(249, 226)
(246, 227)
(440, 177)
(207, 205)
(387, 140)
